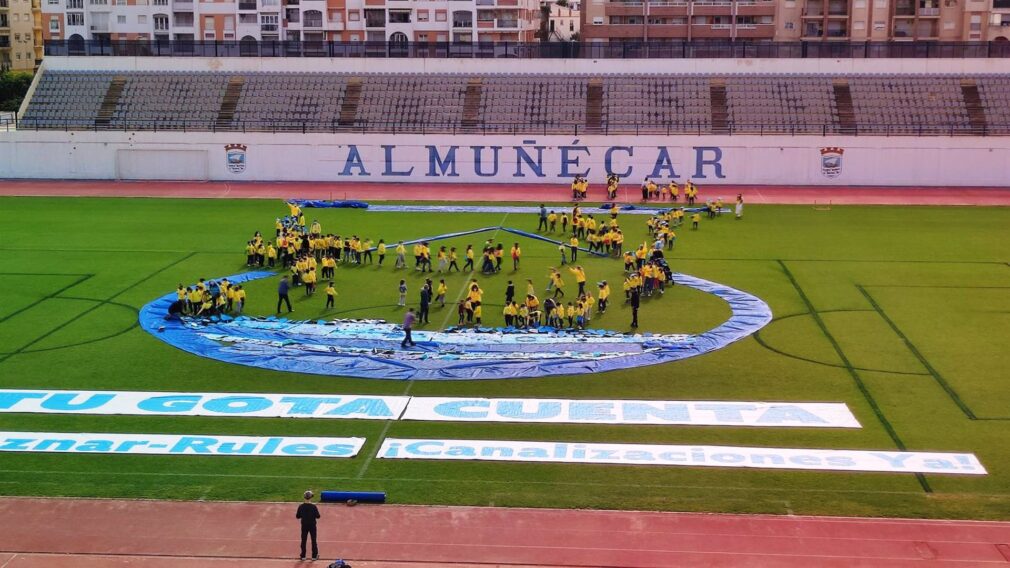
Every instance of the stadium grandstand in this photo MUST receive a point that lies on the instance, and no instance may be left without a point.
(482, 99)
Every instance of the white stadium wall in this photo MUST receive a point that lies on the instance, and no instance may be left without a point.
(774, 160)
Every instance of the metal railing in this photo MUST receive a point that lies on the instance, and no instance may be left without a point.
(525, 128)
(676, 49)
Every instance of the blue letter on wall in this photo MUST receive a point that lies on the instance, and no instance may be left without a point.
(443, 165)
(522, 156)
(388, 171)
(478, 151)
(700, 161)
(608, 161)
(354, 161)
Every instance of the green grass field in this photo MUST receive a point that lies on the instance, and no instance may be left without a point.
(902, 313)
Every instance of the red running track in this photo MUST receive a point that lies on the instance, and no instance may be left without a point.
(171, 534)
(800, 195)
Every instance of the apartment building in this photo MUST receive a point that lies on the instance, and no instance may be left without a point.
(787, 20)
(17, 40)
(296, 20)
(564, 21)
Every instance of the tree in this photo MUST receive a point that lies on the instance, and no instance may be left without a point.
(13, 87)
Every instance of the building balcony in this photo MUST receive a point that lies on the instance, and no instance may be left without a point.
(667, 31)
(616, 30)
(712, 31)
(1001, 4)
(462, 23)
(99, 28)
(668, 9)
(184, 5)
(247, 6)
(712, 8)
(755, 9)
(269, 28)
(313, 23)
(755, 31)
(929, 12)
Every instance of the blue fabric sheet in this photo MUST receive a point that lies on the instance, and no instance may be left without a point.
(323, 204)
(310, 347)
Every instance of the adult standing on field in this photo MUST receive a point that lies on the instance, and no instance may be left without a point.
(422, 315)
(636, 301)
(308, 513)
(282, 294)
(543, 218)
(408, 325)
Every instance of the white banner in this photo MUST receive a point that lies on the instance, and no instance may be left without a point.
(692, 456)
(655, 412)
(204, 404)
(670, 412)
(85, 443)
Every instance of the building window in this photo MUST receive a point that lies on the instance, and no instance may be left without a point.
(354, 16)
(422, 15)
(422, 37)
(160, 22)
(161, 2)
(440, 16)
(120, 19)
(54, 24)
(208, 23)
(75, 19)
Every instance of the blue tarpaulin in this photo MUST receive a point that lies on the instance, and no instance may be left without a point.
(324, 204)
(370, 349)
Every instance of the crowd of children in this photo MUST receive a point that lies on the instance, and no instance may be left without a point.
(212, 298)
(304, 250)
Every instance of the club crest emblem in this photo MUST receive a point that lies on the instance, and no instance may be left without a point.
(235, 157)
(831, 162)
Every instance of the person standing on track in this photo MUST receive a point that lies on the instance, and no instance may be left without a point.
(308, 513)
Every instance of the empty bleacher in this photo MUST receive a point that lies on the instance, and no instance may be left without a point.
(547, 103)
(995, 93)
(657, 104)
(282, 101)
(909, 105)
(410, 100)
(521, 103)
(781, 104)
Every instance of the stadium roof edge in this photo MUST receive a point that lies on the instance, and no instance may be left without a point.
(950, 66)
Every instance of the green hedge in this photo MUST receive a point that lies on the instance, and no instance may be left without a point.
(13, 87)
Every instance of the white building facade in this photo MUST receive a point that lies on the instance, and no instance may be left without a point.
(293, 20)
